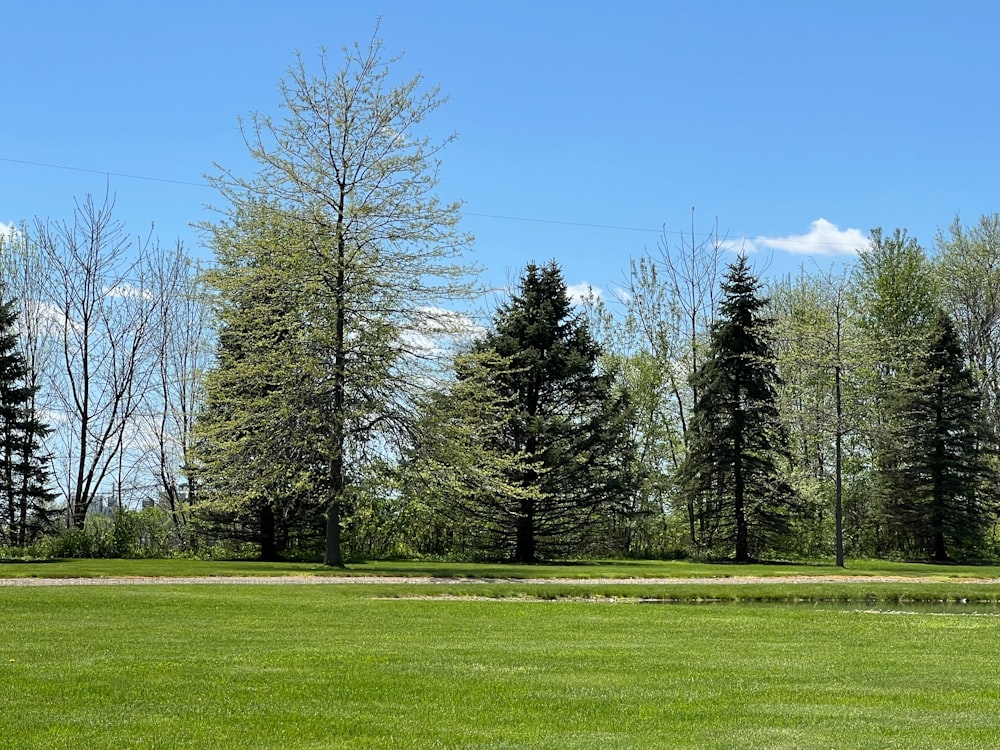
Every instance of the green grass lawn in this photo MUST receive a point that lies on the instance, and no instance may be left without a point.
(364, 666)
(88, 568)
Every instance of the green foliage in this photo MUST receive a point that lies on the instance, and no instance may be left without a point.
(125, 534)
(896, 297)
(75, 541)
(894, 300)
(551, 449)
(639, 523)
(937, 499)
(734, 469)
(654, 348)
(459, 470)
(26, 511)
(967, 265)
(259, 459)
(369, 252)
(380, 521)
(818, 357)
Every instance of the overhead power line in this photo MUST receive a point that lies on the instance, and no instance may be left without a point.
(564, 223)
(104, 172)
(501, 217)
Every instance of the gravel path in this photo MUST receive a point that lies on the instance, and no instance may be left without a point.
(341, 580)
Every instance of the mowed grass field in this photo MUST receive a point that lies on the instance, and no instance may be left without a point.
(501, 665)
(628, 569)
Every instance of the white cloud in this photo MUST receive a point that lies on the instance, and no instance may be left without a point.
(621, 294)
(434, 332)
(49, 319)
(583, 291)
(823, 238)
(7, 230)
(129, 291)
(437, 320)
(742, 246)
(53, 417)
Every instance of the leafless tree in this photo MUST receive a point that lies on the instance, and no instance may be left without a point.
(181, 351)
(669, 299)
(103, 324)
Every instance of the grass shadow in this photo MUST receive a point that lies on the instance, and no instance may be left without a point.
(31, 562)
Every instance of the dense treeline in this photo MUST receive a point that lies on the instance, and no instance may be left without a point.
(881, 441)
(322, 390)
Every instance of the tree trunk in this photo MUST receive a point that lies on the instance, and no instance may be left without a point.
(940, 549)
(23, 493)
(334, 557)
(739, 494)
(524, 551)
(12, 499)
(268, 542)
(692, 533)
(839, 478)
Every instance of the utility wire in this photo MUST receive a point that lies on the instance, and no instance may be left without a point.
(502, 217)
(565, 223)
(104, 172)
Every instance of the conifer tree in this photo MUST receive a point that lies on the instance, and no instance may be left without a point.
(894, 300)
(564, 434)
(732, 469)
(25, 494)
(936, 502)
(257, 463)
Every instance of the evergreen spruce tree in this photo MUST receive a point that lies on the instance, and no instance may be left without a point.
(257, 465)
(25, 494)
(732, 469)
(569, 456)
(894, 300)
(936, 502)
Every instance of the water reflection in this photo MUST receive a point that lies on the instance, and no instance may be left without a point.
(964, 607)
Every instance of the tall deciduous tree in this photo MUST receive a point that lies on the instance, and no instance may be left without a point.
(670, 307)
(968, 269)
(895, 297)
(937, 502)
(349, 163)
(566, 427)
(182, 352)
(737, 442)
(101, 315)
(816, 361)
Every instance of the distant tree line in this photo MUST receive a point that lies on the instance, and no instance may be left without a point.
(323, 388)
(848, 411)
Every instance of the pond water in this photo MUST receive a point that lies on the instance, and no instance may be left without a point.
(969, 608)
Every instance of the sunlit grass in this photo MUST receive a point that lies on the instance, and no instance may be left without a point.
(313, 666)
(89, 568)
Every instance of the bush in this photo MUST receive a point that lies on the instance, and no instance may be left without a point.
(75, 542)
(125, 534)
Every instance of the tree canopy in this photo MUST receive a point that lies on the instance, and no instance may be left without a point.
(378, 253)
(737, 439)
(938, 501)
(553, 433)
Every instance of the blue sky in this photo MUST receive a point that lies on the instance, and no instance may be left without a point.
(584, 128)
